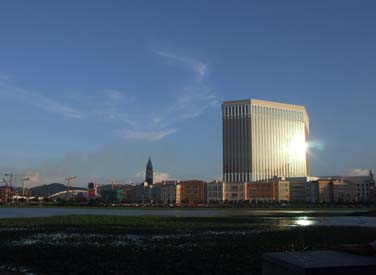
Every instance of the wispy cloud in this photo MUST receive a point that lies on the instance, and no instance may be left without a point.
(199, 67)
(149, 124)
(112, 106)
(148, 135)
(40, 101)
(116, 98)
(188, 102)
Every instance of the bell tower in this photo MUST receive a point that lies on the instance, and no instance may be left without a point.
(149, 172)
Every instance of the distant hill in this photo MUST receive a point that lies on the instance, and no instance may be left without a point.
(50, 189)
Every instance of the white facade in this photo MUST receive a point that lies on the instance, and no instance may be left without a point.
(168, 192)
(362, 185)
(214, 192)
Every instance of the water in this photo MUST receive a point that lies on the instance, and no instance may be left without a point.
(46, 212)
(268, 216)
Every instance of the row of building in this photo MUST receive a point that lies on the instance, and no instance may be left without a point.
(266, 158)
(291, 190)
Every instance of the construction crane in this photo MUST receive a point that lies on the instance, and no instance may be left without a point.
(69, 179)
(11, 176)
(8, 183)
(23, 185)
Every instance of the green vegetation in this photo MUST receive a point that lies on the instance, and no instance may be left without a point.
(313, 207)
(158, 245)
(144, 224)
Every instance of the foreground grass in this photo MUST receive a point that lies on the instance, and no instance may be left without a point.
(157, 245)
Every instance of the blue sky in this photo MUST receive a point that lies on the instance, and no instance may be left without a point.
(91, 88)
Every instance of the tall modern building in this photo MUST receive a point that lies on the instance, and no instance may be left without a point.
(149, 172)
(263, 139)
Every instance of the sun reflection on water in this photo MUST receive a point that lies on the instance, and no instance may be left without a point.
(304, 221)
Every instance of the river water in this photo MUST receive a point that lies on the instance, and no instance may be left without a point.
(266, 217)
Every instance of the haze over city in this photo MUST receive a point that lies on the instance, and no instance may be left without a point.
(93, 91)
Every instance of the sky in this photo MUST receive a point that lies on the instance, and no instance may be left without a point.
(93, 88)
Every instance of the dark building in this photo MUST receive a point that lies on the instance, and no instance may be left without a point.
(149, 172)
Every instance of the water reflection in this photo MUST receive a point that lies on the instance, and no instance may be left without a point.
(317, 221)
(304, 221)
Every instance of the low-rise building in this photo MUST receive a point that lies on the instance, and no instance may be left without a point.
(113, 196)
(138, 194)
(303, 189)
(190, 191)
(325, 190)
(214, 192)
(311, 189)
(336, 190)
(5, 193)
(154, 193)
(297, 192)
(277, 190)
(343, 191)
(281, 190)
(364, 186)
(233, 191)
(259, 191)
(168, 191)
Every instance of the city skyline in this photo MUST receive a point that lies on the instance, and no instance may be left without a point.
(95, 101)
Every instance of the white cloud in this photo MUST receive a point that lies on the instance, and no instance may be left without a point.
(148, 135)
(34, 179)
(160, 176)
(359, 172)
(157, 176)
(199, 67)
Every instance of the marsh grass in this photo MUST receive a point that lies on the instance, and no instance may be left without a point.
(157, 245)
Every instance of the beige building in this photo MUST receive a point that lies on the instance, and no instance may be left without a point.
(282, 190)
(214, 192)
(233, 191)
(263, 139)
(363, 186)
(333, 190)
(343, 191)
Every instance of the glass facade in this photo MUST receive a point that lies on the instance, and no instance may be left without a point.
(263, 139)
